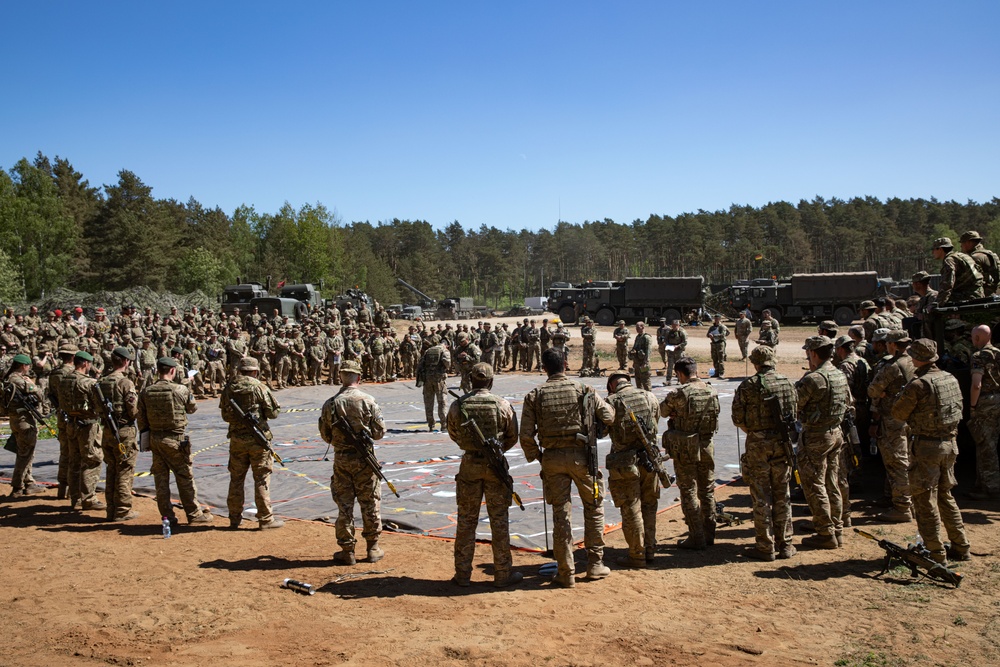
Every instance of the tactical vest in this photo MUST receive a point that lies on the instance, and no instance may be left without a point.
(624, 434)
(759, 416)
(112, 390)
(378, 347)
(829, 411)
(905, 371)
(164, 410)
(989, 266)
(485, 411)
(79, 399)
(433, 359)
(243, 391)
(559, 409)
(702, 411)
(941, 416)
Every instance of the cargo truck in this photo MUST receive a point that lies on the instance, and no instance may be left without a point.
(632, 300)
(809, 296)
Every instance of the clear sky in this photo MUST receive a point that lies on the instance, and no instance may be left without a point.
(512, 114)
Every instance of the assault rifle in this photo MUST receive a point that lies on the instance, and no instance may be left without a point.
(652, 461)
(590, 438)
(491, 448)
(364, 445)
(852, 440)
(30, 404)
(107, 412)
(917, 558)
(786, 426)
(253, 422)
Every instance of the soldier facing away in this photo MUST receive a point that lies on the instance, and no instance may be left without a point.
(120, 455)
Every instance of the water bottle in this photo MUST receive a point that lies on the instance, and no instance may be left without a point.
(166, 527)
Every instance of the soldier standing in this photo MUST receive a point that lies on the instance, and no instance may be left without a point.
(931, 404)
(986, 260)
(533, 353)
(588, 333)
(767, 335)
(920, 282)
(676, 344)
(858, 374)
(634, 489)
(63, 372)
(467, 354)
(717, 334)
(622, 335)
(432, 375)
(245, 451)
(889, 380)
(960, 277)
(639, 354)
(554, 413)
(544, 339)
(760, 402)
(352, 477)
(693, 411)
(984, 414)
(743, 329)
(488, 343)
(823, 400)
(120, 455)
(560, 342)
(19, 393)
(476, 481)
(163, 410)
(334, 353)
(661, 340)
(85, 455)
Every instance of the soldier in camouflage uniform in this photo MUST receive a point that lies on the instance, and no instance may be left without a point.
(120, 456)
(56, 378)
(163, 410)
(858, 375)
(931, 404)
(236, 349)
(532, 337)
(554, 413)
(22, 424)
(717, 334)
(544, 339)
(432, 375)
(588, 332)
(352, 478)
(888, 381)
(984, 414)
(475, 480)
(661, 341)
(245, 452)
(986, 260)
(766, 467)
(334, 353)
(960, 276)
(957, 347)
(642, 348)
(693, 411)
(634, 489)
(85, 455)
(823, 400)
(675, 345)
(316, 356)
(621, 335)
(767, 335)
(744, 327)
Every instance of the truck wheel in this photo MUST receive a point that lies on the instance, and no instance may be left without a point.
(671, 314)
(567, 315)
(301, 312)
(844, 316)
(605, 317)
(775, 313)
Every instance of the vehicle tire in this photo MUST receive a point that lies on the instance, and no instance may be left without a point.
(775, 313)
(671, 314)
(567, 315)
(844, 316)
(605, 317)
(301, 312)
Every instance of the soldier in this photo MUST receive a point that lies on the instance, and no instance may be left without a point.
(828, 328)
(515, 348)
(317, 355)
(717, 334)
(62, 372)
(984, 414)
(193, 362)
(236, 349)
(121, 454)
(931, 404)
(885, 386)
(163, 410)
(352, 477)
(376, 351)
(743, 328)
(920, 282)
(766, 467)
(85, 455)
(858, 374)
(554, 412)
(693, 411)
(589, 334)
(661, 340)
(533, 353)
(621, 335)
(544, 339)
(467, 354)
(147, 363)
(19, 393)
(283, 359)
(245, 451)
(676, 346)
(215, 371)
(823, 400)
(634, 489)
(986, 260)
(488, 343)
(432, 375)
(767, 336)
(957, 348)
(960, 276)
(642, 348)
(335, 352)
(475, 480)
(560, 342)
(766, 316)
(297, 355)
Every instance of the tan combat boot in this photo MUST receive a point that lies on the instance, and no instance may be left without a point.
(375, 553)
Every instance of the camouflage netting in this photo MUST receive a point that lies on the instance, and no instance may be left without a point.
(112, 302)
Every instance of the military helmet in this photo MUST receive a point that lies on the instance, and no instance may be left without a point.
(350, 366)
(920, 277)
(879, 335)
(249, 364)
(817, 343)
(481, 372)
(762, 355)
(615, 377)
(843, 341)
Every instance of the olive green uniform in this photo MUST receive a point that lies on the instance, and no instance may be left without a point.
(120, 458)
(245, 452)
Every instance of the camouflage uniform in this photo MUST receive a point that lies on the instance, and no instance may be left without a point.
(163, 410)
(743, 329)
(475, 480)
(960, 278)
(245, 452)
(676, 338)
(84, 429)
(766, 467)
(432, 371)
(56, 379)
(889, 380)
(693, 411)
(352, 478)
(858, 375)
(24, 428)
(468, 355)
(621, 334)
(717, 333)
(931, 403)
(641, 349)
(634, 489)
(588, 333)
(533, 348)
(554, 412)
(120, 459)
(334, 353)
(984, 419)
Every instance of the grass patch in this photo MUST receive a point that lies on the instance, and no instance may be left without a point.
(869, 658)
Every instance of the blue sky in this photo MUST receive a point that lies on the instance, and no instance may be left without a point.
(512, 114)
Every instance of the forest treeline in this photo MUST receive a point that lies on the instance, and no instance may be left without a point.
(58, 230)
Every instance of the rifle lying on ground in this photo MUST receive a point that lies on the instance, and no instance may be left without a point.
(492, 449)
(253, 422)
(651, 461)
(724, 517)
(107, 412)
(917, 558)
(30, 404)
(365, 447)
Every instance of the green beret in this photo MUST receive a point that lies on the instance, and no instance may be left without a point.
(123, 352)
(167, 362)
(83, 356)
(22, 359)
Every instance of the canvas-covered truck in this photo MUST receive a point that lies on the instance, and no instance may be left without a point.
(809, 296)
(240, 296)
(647, 299)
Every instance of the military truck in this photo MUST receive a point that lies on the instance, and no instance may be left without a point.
(809, 296)
(459, 308)
(306, 293)
(240, 296)
(291, 308)
(632, 300)
(353, 298)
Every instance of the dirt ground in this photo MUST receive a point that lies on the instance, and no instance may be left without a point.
(76, 590)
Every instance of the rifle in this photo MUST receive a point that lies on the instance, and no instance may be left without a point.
(30, 404)
(590, 437)
(917, 558)
(652, 461)
(253, 422)
(492, 448)
(786, 425)
(853, 440)
(364, 445)
(109, 418)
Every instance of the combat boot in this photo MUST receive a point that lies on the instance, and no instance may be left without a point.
(127, 517)
(757, 554)
(507, 579)
(821, 541)
(598, 570)
(201, 518)
(568, 581)
(33, 489)
(345, 557)
(693, 541)
(786, 552)
(710, 531)
(94, 505)
(631, 563)
(375, 553)
(273, 523)
(234, 522)
(895, 515)
(61, 493)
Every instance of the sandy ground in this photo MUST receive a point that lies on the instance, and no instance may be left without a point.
(75, 590)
